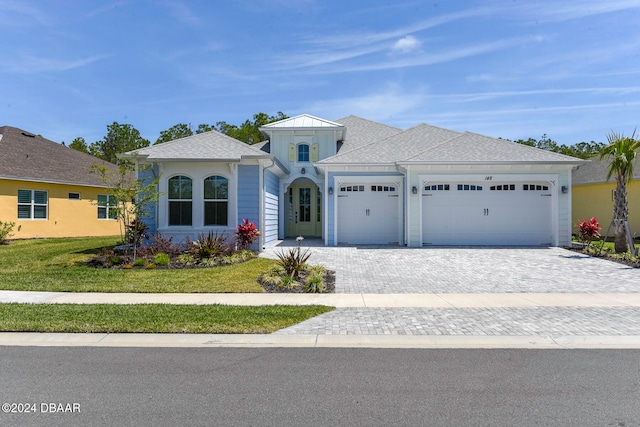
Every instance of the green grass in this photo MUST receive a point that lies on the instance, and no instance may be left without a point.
(57, 265)
(152, 318)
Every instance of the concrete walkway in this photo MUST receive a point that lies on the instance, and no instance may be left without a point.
(423, 297)
(523, 320)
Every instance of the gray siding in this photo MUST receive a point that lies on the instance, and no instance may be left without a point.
(248, 194)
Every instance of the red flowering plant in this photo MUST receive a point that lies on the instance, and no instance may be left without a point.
(246, 234)
(589, 230)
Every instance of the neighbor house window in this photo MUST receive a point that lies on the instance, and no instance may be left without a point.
(32, 204)
(303, 152)
(74, 196)
(180, 200)
(107, 207)
(216, 200)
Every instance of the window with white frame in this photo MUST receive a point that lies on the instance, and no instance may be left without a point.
(303, 152)
(180, 196)
(216, 200)
(33, 204)
(107, 207)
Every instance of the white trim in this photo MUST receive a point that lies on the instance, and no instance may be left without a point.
(396, 180)
(455, 178)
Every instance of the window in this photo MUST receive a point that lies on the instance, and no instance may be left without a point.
(384, 188)
(180, 198)
(32, 204)
(216, 200)
(303, 152)
(469, 187)
(107, 207)
(74, 196)
(352, 188)
(504, 187)
(305, 204)
(438, 187)
(534, 187)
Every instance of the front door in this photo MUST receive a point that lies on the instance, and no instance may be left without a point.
(303, 210)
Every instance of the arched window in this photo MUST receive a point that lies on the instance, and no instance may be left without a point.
(180, 200)
(303, 152)
(216, 200)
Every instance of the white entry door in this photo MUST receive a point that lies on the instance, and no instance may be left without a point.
(368, 213)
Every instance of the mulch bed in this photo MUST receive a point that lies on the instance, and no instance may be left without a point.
(608, 256)
(329, 280)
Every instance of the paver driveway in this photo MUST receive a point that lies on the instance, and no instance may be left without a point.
(385, 269)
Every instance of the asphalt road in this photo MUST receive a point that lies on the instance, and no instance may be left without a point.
(318, 387)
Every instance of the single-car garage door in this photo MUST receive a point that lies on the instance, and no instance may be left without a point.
(498, 213)
(368, 213)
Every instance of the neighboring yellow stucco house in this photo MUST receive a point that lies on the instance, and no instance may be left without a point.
(592, 195)
(48, 189)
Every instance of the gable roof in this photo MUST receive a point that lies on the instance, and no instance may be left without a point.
(29, 157)
(362, 131)
(206, 146)
(305, 121)
(595, 172)
(431, 144)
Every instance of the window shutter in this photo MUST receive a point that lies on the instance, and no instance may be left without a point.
(314, 153)
(292, 152)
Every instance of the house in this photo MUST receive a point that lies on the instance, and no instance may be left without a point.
(48, 189)
(593, 195)
(355, 181)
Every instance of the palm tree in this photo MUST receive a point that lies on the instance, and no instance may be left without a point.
(621, 153)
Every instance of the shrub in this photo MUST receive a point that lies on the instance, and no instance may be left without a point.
(246, 234)
(314, 284)
(162, 259)
(127, 266)
(151, 266)
(160, 244)
(114, 260)
(294, 261)
(208, 245)
(6, 231)
(140, 262)
(589, 230)
(186, 259)
(136, 232)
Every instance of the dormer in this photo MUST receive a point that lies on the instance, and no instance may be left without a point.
(300, 141)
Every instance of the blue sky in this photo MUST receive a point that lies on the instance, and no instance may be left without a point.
(511, 69)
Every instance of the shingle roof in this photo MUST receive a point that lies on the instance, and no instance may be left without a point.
(362, 131)
(472, 147)
(26, 156)
(431, 144)
(595, 172)
(205, 146)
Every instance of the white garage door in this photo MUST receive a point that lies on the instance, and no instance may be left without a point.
(499, 213)
(368, 214)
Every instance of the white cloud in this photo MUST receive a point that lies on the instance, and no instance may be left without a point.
(381, 105)
(32, 64)
(405, 45)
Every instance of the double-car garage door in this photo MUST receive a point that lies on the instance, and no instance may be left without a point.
(495, 213)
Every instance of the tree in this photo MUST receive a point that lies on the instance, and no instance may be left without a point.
(178, 131)
(79, 145)
(621, 154)
(119, 139)
(581, 150)
(249, 131)
(132, 196)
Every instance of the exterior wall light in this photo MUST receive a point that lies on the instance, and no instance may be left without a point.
(414, 190)
(330, 190)
(564, 189)
(303, 171)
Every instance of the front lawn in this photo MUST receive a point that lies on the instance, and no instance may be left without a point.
(152, 318)
(58, 265)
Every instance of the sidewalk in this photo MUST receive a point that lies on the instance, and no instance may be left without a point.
(438, 320)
